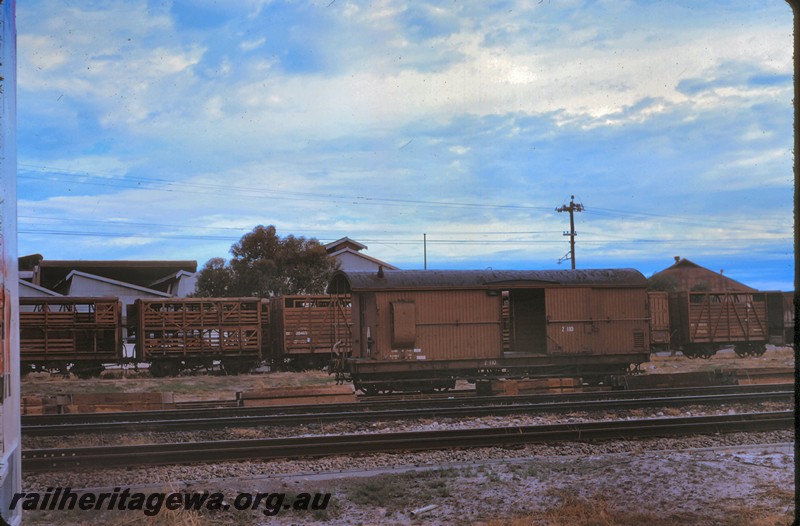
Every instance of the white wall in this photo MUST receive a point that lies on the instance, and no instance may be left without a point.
(350, 261)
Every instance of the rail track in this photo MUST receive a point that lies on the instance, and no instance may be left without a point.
(195, 419)
(321, 446)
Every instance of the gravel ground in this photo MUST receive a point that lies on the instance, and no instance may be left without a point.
(216, 387)
(664, 363)
(734, 479)
(427, 424)
(660, 481)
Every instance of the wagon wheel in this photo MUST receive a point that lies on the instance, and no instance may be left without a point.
(370, 390)
(235, 367)
(162, 368)
(759, 350)
(634, 368)
(741, 351)
(62, 368)
(87, 370)
(706, 352)
(690, 353)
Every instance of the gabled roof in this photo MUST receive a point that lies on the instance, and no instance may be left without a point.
(378, 262)
(172, 277)
(115, 283)
(35, 289)
(688, 274)
(343, 281)
(50, 272)
(344, 242)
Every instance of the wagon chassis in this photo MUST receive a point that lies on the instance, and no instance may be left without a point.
(374, 377)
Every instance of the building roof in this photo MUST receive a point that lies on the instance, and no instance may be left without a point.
(343, 281)
(50, 273)
(172, 277)
(376, 261)
(26, 288)
(115, 283)
(29, 262)
(687, 275)
(344, 242)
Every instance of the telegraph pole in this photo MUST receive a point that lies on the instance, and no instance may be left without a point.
(571, 208)
(425, 251)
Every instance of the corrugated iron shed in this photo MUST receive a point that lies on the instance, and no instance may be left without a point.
(345, 282)
(50, 273)
(687, 275)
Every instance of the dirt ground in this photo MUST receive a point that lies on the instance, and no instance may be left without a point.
(662, 482)
(220, 387)
(775, 357)
(185, 387)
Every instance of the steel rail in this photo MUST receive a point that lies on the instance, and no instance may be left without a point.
(195, 423)
(30, 421)
(331, 445)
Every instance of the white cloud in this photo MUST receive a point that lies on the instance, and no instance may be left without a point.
(250, 45)
(381, 115)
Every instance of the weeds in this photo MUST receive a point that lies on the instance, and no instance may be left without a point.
(404, 491)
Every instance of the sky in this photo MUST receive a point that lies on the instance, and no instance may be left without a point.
(169, 129)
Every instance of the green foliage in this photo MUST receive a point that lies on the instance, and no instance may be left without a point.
(214, 279)
(264, 264)
(663, 283)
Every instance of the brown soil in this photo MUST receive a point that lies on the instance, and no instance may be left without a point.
(216, 387)
(775, 357)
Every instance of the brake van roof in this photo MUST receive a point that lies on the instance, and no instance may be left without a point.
(355, 281)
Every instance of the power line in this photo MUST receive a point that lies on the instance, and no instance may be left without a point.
(73, 220)
(609, 212)
(144, 183)
(165, 185)
(275, 194)
(401, 241)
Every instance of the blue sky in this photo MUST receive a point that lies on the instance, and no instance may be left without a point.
(168, 129)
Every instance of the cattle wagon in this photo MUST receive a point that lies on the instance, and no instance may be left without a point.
(306, 329)
(70, 334)
(703, 322)
(175, 334)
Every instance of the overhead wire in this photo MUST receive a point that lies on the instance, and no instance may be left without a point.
(111, 180)
(277, 194)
